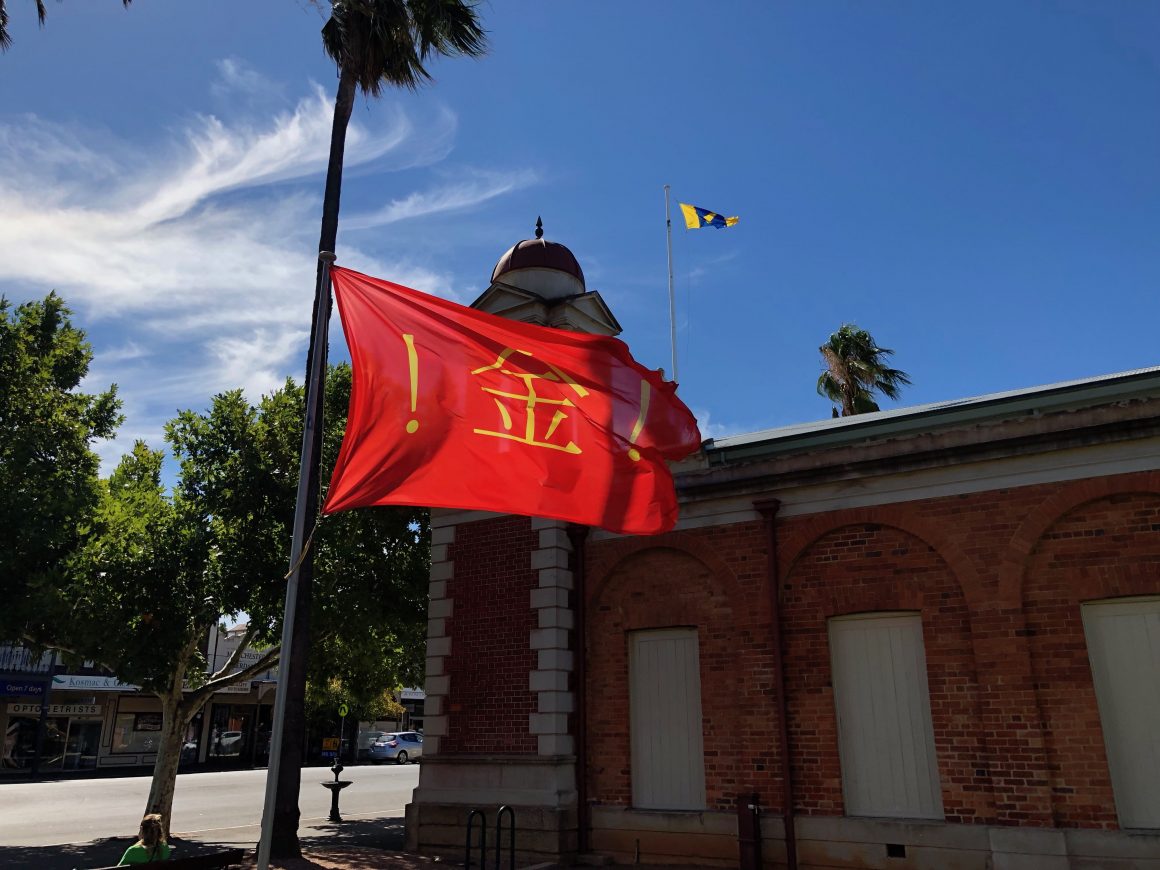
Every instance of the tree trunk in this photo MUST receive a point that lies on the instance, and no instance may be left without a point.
(292, 676)
(168, 758)
(176, 714)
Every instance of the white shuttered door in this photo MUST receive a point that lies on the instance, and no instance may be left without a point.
(885, 735)
(668, 765)
(1123, 639)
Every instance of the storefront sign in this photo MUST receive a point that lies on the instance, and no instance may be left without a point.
(148, 722)
(93, 684)
(242, 688)
(22, 688)
(56, 709)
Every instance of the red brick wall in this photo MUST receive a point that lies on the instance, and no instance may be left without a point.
(869, 567)
(1103, 549)
(490, 627)
(719, 590)
(998, 577)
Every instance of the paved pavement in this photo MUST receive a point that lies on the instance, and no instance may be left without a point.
(63, 824)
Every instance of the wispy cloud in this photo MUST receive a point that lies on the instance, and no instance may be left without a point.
(194, 258)
(465, 193)
(707, 265)
(236, 77)
(711, 428)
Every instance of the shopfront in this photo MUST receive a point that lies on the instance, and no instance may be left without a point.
(89, 722)
(19, 743)
(239, 730)
(135, 729)
(70, 741)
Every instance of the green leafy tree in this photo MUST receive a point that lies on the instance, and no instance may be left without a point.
(854, 369)
(148, 574)
(376, 44)
(240, 473)
(140, 601)
(48, 470)
(41, 13)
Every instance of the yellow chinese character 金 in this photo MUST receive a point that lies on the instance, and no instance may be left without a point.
(532, 401)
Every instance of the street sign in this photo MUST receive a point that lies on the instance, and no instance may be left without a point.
(330, 744)
(343, 709)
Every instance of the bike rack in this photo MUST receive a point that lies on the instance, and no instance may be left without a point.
(482, 840)
(499, 817)
(511, 837)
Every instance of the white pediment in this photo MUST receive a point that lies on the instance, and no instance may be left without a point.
(585, 312)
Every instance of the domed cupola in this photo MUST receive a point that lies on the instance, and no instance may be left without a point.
(545, 268)
(539, 281)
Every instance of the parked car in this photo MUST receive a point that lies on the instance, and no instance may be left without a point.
(230, 743)
(365, 740)
(399, 747)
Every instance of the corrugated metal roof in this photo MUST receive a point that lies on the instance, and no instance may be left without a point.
(839, 430)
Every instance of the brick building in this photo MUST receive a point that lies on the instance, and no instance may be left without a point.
(927, 637)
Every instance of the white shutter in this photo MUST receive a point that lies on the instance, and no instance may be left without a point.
(668, 764)
(1123, 639)
(885, 735)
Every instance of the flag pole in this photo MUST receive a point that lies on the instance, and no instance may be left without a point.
(672, 298)
(304, 509)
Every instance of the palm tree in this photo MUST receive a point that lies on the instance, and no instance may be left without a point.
(385, 43)
(855, 368)
(41, 12)
(376, 44)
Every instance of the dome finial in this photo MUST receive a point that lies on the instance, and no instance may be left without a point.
(539, 228)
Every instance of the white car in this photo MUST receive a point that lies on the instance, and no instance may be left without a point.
(367, 739)
(400, 747)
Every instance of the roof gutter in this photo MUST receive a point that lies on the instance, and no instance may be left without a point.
(872, 427)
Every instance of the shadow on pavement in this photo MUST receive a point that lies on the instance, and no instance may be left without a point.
(385, 833)
(379, 833)
(97, 853)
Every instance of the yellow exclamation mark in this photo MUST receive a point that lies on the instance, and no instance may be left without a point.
(633, 453)
(413, 365)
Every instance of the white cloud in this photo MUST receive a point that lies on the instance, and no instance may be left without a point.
(695, 274)
(235, 77)
(196, 257)
(710, 428)
(127, 351)
(456, 196)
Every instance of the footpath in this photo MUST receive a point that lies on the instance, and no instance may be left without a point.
(355, 858)
(361, 858)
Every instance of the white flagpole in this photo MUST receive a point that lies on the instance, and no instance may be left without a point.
(672, 298)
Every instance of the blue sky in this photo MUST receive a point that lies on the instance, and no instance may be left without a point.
(976, 184)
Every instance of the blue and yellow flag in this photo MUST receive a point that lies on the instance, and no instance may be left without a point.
(695, 217)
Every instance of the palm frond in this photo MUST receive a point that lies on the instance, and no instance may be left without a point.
(384, 43)
(41, 14)
(829, 387)
(854, 368)
(448, 27)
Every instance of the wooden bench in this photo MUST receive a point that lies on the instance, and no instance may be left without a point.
(205, 861)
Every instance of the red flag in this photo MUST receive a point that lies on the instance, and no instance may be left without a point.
(451, 407)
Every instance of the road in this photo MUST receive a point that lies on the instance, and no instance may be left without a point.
(66, 822)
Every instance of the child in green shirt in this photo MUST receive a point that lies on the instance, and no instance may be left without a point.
(150, 846)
